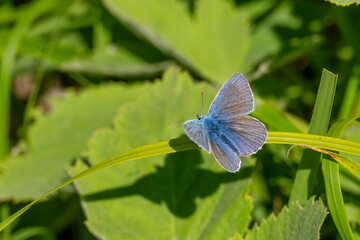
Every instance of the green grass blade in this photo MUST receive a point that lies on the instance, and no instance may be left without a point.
(310, 160)
(334, 196)
(165, 147)
(350, 96)
(347, 163)
(317, 141)
(34, 233)
(184, 144)
(7, 65)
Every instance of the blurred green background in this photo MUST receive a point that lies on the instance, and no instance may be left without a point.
(81, 81)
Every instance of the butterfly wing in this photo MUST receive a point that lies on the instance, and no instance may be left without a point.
(194, 129)
(236, 133)
(224, 155)
(233, 99)
(246, 133)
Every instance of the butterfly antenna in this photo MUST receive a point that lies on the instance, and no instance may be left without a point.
(177, 122)
(202, 100)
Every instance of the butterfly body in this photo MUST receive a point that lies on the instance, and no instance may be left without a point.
(227, 131)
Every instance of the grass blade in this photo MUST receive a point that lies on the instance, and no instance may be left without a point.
(317, 141)
(332, 185)
(184, 144)
(310, 160)
(7, 64)
(350, 96)
(165, 147)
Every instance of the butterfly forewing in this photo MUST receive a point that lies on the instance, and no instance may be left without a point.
(194, 130)
(233, 99)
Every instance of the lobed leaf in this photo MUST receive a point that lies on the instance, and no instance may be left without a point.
(294, 222)
(57, 138)
(213, 42)
(344, 3)
(187, 193)
(183, 144)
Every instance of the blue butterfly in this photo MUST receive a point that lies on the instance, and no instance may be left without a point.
(227, 131)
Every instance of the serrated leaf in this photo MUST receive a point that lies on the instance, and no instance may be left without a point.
(174, 145)
(67, 51)
(185, 195)
(214, 41)
(294, 222)
(57, 138)
(114, 62)
(344, 2)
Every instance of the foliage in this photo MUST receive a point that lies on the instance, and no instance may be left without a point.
(87, 86)
(344, 2)
(293, 222)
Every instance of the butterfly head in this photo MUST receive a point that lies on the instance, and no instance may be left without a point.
(199, 116)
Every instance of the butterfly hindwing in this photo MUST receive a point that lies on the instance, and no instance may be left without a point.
(224, 155)
(233, 99)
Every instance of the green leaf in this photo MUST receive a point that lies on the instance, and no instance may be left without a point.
(57, 138)
(167, 111)
(332, 185)
(52, 148)
(308, 168)
(187, 202)
(54, 41)
(344, 2)
(114, 62)
(187, 193)
(295, 222)
(214, 41)
(184, 144)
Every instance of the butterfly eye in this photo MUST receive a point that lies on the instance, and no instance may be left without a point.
(198, 116)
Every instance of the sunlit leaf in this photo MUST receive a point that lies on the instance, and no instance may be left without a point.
(344, 2)
(293, 222)
(114, 62)
(214, 41)
(350, 165)
(186, 192)
(57, 138)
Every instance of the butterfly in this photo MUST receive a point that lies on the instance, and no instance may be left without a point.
(227, 132)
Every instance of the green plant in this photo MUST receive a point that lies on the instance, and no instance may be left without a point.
(76, 47)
